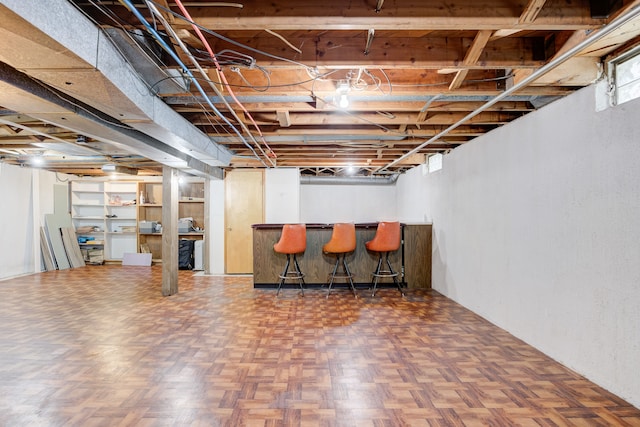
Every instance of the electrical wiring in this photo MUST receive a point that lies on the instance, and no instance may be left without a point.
(175, 57)
(206, 44)
(240, 59)
(155, 11)
(313, 94)
(386, 129)
(249, 85)
(225, 57)
(152, 88)
(244, 127)
(312, 72)
(257, 88)
(388, 82)
(299, 83)
(221, 37)
(284, 40)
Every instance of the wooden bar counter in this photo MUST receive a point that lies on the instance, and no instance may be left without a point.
(412, 260)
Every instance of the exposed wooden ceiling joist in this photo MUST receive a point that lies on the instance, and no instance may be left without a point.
(411, 68)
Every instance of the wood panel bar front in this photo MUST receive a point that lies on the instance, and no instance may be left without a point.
(317, 266)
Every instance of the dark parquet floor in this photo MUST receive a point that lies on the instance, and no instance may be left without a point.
(100, 346)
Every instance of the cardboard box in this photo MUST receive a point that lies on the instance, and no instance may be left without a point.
(185, 225)
(136, 259)
(147, 226)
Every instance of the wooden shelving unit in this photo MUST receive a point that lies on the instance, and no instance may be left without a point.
(110, 212)
(190, 205)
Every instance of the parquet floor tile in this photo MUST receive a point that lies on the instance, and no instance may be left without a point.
(100, 346)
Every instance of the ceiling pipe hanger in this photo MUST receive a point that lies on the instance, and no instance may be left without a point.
(370, 35)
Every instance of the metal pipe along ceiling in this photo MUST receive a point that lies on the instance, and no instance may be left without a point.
(604, 31)
(354, 180)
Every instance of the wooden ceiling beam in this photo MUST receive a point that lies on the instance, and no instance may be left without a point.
(395, 52)
(531, 11)
(471, 58)
(283, 118)
(199, 119)
(338, 15)
(340, 119)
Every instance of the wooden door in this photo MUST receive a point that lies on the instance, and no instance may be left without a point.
(244, 206)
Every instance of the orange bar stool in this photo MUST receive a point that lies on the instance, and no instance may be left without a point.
(343, 241)
(293, 241)
(386, 240)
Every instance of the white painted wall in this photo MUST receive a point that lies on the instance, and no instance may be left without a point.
(412, 202)
(215, 234)
(26, 195)
(282, 195)
(347, 203)
(536, 229)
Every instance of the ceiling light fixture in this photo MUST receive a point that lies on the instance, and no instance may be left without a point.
(37, 160)
(341, 93)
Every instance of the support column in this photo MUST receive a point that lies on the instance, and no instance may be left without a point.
(169, 231)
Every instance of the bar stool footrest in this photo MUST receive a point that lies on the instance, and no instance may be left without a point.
(291, 276)
(341, 276)
(385, 274)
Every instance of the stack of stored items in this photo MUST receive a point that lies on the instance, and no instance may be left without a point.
(147, 226)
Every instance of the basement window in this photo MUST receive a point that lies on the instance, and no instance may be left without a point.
(626, 77)
(435, 162)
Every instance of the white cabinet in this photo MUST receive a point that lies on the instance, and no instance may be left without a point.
(105, 213)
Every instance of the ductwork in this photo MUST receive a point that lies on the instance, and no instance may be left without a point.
(21, 93)
(353, 180)
(60, 47)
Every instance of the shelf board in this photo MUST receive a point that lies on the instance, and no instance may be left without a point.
(151, 205)
(193, 233)
(92, 218)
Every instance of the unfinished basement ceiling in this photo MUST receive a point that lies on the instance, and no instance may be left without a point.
(206, 86)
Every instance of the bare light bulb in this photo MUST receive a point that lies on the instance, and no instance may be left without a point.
(344, 101)
(37, 160)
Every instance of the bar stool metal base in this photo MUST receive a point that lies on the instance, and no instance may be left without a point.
(346, 274)
(380, 273)
(296, 274)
